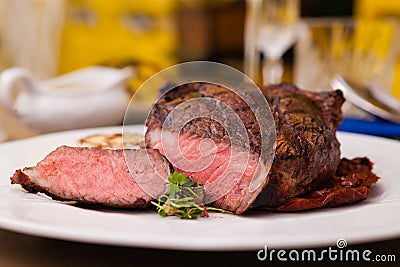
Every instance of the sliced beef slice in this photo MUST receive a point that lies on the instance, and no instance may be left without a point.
(98, 176)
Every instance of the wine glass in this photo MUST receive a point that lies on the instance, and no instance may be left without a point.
(271, 29)
(361, 50)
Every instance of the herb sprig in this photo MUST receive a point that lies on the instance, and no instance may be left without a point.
(184, 199)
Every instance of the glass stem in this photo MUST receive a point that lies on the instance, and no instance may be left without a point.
(272, 71)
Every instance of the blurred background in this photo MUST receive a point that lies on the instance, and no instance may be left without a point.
(50, 38)
(70, 34)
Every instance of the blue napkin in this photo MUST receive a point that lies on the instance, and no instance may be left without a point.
(377, 127)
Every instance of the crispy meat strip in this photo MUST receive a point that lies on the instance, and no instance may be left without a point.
(350, 184)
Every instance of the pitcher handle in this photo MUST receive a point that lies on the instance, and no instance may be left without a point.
(13, 81)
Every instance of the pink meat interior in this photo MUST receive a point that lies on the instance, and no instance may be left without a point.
(225, 170)
(100, 176)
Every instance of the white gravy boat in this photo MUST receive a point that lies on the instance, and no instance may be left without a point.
(89, 97)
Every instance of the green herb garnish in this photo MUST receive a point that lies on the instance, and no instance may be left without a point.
(184, 199)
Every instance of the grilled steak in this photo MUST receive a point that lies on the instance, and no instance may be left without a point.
(99, 176)
(307, 151)
(306, 173)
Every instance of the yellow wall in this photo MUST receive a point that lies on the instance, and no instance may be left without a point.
(114, 32)
(375, 8)
(381, 9)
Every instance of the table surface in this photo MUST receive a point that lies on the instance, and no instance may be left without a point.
(23, 250)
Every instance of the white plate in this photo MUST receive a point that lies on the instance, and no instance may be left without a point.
(377, 218)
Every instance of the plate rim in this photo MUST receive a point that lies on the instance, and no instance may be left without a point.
(55, 233)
